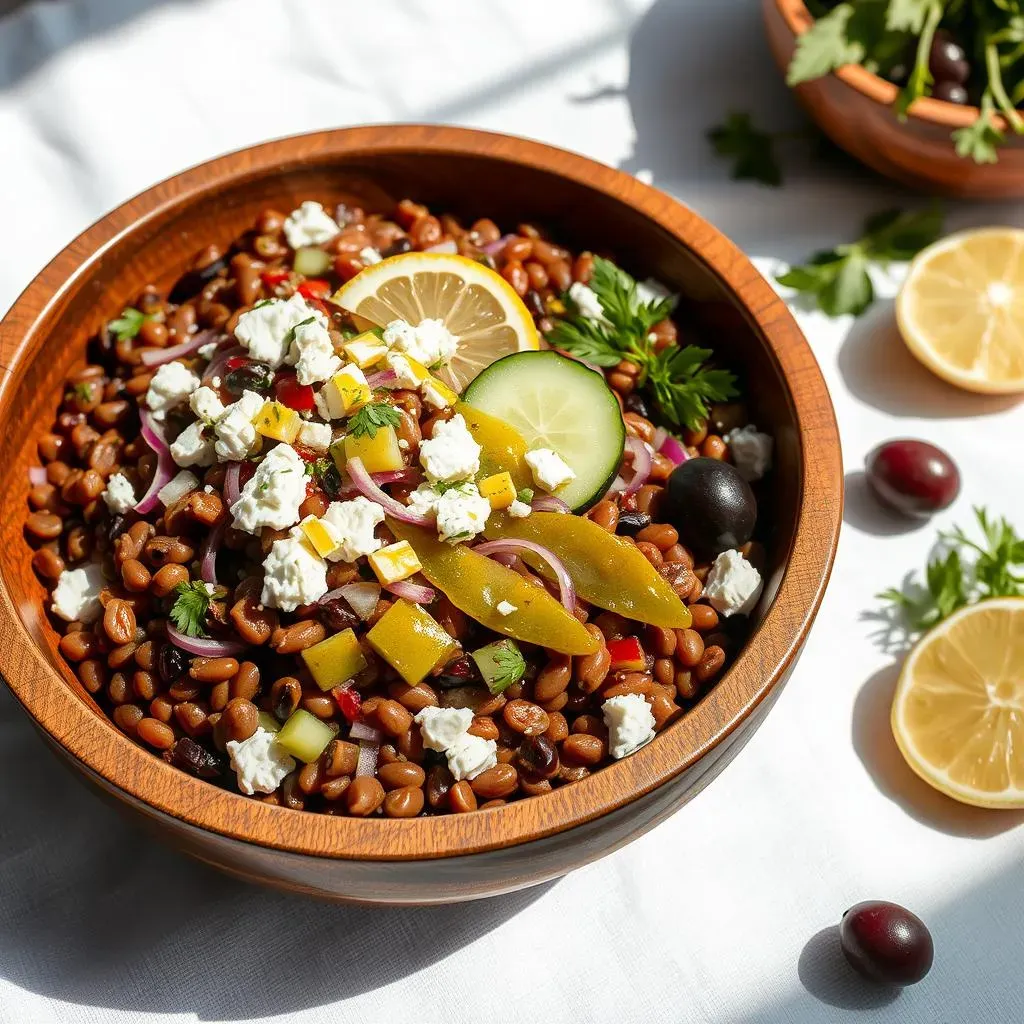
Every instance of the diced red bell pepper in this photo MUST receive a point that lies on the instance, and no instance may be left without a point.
(293, 394)
(319, 304)
(627, 655)
(314, 288)
(304, 453)
(349, 701)
(236, 362)
(272, 278)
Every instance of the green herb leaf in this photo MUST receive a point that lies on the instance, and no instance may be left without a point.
(980, 141)
(525, 495)
(683, 387)
(188, 612)
(920, 80)
(374, 415)
(825, 46)
(130, 322)
(907, 15)
(752, 150)
(511, 666)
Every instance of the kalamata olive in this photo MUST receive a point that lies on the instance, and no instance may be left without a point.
(537, 757)
(947, 60)
(460, 672)
(192, 281)
(711, 505)
(635, 402)
(249, 377)
(397, 247)
(913, 477)
(950, 92)
(886, 942)
(631, 523)
(172, 663)
(196, 759)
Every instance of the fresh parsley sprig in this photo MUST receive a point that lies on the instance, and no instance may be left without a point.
(189, 610)
(128, 324)
(968, 571)
(371, 417)
(510, 665)
(838, 278)
(677, 378)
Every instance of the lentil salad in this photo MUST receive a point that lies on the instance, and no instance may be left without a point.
(259, 510)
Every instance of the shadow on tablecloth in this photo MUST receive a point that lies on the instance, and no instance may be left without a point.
(93, 911)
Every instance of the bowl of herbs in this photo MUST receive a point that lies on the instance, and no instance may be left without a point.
(923, 91)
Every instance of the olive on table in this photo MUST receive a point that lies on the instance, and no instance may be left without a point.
(886, 943)
(711, 505)
(912, 477)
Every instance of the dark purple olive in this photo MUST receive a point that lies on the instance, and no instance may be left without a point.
(913, 477)
(711, 505)
(635, 403)
(193, 280)
(947, 61)
(950, 92)
(886, 942)
(196, 760)
(537, 757)
(172, 663)
(249, 377)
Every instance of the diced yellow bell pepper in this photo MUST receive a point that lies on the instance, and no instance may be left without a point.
(407, 367)
(438, 394)
(502, 447)
(395, 562)
(365, 350)
(335, 660)
(321, 535)
(411, 641)
(278, 421)
(498, 490)
(379, 453)
(346, 392)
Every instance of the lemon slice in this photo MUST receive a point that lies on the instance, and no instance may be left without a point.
(478, 306)
(958, 713)
(961, 309)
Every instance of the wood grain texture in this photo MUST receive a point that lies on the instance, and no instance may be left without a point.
(152, 238)
(853, 108)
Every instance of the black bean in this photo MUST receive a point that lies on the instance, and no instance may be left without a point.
(172, 663)
(631, 523)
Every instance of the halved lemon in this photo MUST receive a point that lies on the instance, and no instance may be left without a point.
(478, 306)
(958, 713)
(961, 309)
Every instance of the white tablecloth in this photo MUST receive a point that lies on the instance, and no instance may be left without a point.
(718, 915)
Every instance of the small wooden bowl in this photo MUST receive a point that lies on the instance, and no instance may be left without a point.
(853, 108)
(440, 859)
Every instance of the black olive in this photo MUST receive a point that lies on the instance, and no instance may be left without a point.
(537, 757)
(337, 615)
(947, 60)
(534, 303)
(886, 943)
(711, 506)
(397, 247)
(191, 283)
(172, 663)
(635, 403)
(250, 377)
(461, 672)
(196, 759)
(631, 523)
(950, 92)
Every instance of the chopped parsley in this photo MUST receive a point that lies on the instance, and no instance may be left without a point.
(128, 324)
(372, 417)
(188, 612)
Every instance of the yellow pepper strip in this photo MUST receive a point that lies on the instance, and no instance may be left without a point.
(411, 641)
(502, 446)
(476, 585)
(606, 570)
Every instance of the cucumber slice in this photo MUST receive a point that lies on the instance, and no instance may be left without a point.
(556, 402)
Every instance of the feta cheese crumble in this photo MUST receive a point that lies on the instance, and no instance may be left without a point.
(312, 353)
(273, 496)
(236, 434)
(586, 301)
(549, 469)
(630, 723)
(461, 510)
(429, 342)
(208, 350)
(77, 594)
(316, 436)
(519, 509)
(119, 495)
(171, 386)
(192, 447)
(407, 378)
(649, 291)
(260, 763)
(369, 256)
(354, 522)
(293, 573)
(446, 730)
(733, 585)
(471, 756)
(310, 224)
(451, 454)
(751, 451)
(506, 608)
(206, 404)
(267, 329)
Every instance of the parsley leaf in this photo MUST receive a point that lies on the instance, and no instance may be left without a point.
(980, 141)
(511, 666)
(675, 376)
(752, 150)
(825, 46)
(188, 612)
(838, 278)
(374, 415)
(128, 324)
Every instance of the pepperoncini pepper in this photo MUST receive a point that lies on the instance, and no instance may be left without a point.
(502, 446)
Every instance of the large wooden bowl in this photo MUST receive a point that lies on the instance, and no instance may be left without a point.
(456, 857)
(853, 108)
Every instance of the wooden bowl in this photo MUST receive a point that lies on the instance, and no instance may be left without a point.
(440, 859)
(853, 108)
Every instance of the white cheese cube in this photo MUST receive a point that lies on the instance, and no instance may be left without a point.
(550, 470)
(461, 513)
(733, 586)
(267, 329)
(751, 451)
(429, 342)
(312, 353)
(586, 301)
(519, 509)
(354, 521)
(293, 573)
(310, 224)
(171, 386)
(206, 404)
(630, 723)
(192, 447)
(442, 728)
(316, 436)
(77, 594)
(471, 756)
(274, 493)
(260, 763)
(119, 495)
(236, 434)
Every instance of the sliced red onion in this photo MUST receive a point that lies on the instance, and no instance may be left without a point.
(368, 753)
(493, 248)
(232, 483)
(218, 364)
(549, 503)
(381, 379)
(165, 467)
(368, 489)
(450, 247)
(409, 475)
(641, 464)
(208, 564)
(362, 598)
(659, 438)
(617, 487)
(566, 591)
(414, 592)
(205, 647)
(362, 731)
(36, 475)
(672, 448)
(159, 356)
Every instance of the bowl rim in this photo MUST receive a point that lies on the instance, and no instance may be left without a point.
(950, 115)
(136, 774)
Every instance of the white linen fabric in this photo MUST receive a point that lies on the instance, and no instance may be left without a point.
(721, 913)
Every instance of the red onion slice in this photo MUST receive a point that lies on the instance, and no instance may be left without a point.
(617, 487)
(381, 379)
(672, 448)
(165, 467)
(659, 438)
(450, 247)
(549, 503)
(566, 591)
(414, 592)
(362, 731)
(368, 753)
(641, 464)
(232, 483)
(159, 356)
(208, 564)
(362, 598)
(204, 646)
(368, 489)
(36, 475)
(493, 248)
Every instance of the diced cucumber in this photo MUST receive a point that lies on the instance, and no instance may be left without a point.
(557, 403)
(501, 664)
(310, 261)
(304, 736)
(269, 722)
